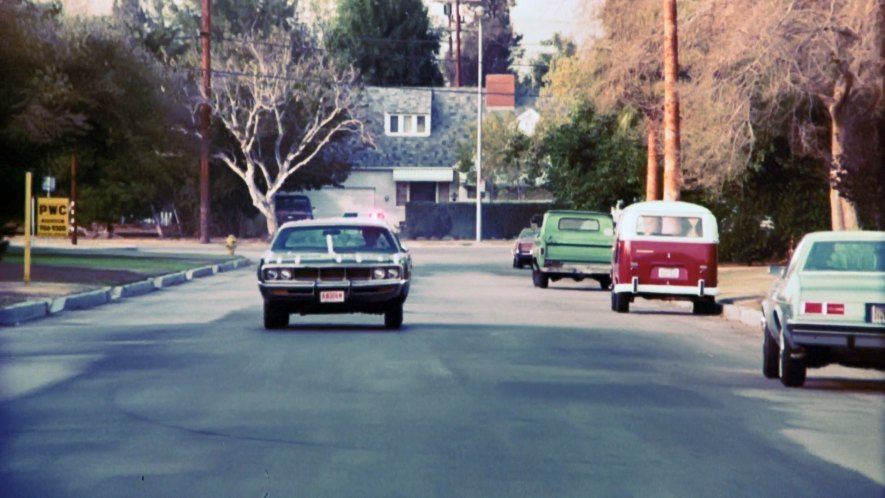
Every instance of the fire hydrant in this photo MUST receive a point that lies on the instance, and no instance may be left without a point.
(231, 244)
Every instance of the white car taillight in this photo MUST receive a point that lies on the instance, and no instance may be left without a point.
(818, 308)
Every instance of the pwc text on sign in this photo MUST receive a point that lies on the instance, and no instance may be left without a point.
(52, 216)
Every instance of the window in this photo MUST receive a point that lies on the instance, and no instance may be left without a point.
(422, 192)
(342, 239)
(578, 224)
(864, 256)
(670, 226)
(410, 125)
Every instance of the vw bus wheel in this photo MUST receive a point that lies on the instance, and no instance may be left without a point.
(620, 302)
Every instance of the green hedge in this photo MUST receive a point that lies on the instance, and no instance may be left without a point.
(500, 220)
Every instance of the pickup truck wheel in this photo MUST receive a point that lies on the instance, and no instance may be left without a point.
(605, 283)
(620, 302)
(393, 317)
(274, 317)
(769, 354)
(539, 279)
(516, 263)
(792, 369)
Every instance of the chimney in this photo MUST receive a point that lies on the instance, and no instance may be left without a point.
(500, 91)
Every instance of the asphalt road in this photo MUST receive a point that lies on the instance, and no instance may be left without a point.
(492, 388)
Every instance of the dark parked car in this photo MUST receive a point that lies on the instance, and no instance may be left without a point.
(522, 248)
(341, 265)
(292, 207)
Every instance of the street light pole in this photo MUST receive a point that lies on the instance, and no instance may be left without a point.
(479, 134)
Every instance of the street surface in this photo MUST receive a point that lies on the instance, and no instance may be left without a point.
(492, 388)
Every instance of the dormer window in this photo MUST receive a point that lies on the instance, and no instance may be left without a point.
(407, 125)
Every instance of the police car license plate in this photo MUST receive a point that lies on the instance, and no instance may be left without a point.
(333, 296)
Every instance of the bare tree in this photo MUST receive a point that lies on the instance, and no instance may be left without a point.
(282, 109)
(775, 64)
(744, 66)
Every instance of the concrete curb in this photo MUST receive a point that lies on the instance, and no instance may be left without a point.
(747, 316)
(137, 288)
(200, 272)
(170, 280)
(87, 299)
(32, 310)
(22, 312)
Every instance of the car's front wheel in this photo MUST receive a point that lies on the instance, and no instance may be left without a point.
(793, 370)
(393, 317)
(274, 316)
(769, 354)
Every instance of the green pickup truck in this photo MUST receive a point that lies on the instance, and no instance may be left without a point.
(573, 244)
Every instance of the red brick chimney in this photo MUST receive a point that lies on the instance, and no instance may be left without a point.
(500, 91)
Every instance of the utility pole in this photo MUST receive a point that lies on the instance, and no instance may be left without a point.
(73, 208)
(652, 168)
(27, 268)
(672, 147)
(458, 43)
(204, 122)
(479, 133)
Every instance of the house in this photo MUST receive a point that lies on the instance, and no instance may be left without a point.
(417, 132)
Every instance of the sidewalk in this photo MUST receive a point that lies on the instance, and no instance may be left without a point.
(42, 298)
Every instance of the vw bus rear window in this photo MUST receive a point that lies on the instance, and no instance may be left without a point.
(670, 226)
(578, 224)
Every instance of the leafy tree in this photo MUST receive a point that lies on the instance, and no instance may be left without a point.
(509, 156)
(81, 87)
(593, 163)
(562, 47)
(390, 42)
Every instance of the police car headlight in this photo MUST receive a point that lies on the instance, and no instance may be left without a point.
(286, 274)
(393, 273)
(272, 274)
(378, 273)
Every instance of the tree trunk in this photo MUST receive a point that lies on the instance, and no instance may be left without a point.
(652, 172)
(672, 165)
(843, 212)
(270, 216)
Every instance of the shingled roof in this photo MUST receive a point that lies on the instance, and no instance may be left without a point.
(452, 115)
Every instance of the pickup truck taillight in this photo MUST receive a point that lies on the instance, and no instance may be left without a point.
(817, 308)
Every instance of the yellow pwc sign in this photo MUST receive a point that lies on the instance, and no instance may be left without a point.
(53, 216)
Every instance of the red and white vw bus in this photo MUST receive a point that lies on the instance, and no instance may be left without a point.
(666, 250)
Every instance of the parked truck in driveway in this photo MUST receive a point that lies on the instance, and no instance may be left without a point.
(575, 245)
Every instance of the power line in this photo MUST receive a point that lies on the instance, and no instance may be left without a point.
(325, 81)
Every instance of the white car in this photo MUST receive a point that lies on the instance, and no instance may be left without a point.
(827, 307)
